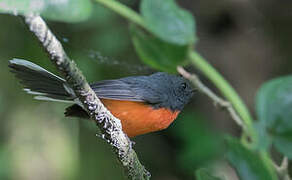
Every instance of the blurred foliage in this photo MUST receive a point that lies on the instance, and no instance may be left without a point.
(68, 11)
(157, 53)
(5, 165)
(199, 143)
(36, 142)
(173, 31)
(274, 104)
(204, 174)
(248, 164)
(168, 21)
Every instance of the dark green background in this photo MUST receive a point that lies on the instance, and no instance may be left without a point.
(249, 42)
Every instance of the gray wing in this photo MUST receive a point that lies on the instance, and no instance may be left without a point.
(116, 89)
(134, 88)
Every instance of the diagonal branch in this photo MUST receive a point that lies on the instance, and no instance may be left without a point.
(110, 126)
(205, 90)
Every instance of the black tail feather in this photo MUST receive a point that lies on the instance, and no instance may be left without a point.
(36, 80)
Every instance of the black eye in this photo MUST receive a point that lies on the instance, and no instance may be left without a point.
(184, 85)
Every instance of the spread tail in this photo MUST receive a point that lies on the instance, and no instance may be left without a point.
(40, 82)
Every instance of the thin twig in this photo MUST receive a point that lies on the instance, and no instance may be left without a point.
(282, 170)
(110, 126)
(205, 90)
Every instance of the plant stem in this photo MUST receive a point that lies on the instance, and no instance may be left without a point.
(124, 11)
(199, 62)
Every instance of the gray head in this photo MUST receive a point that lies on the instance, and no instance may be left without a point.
(162, 90)
(175, 90)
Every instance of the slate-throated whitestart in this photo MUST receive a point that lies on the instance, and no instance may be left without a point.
(142, 103)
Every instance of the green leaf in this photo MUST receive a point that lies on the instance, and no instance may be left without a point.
(203, 174)
(248, 164)
(156, 53)
(166, 20)
(62, 10)
(273, 107)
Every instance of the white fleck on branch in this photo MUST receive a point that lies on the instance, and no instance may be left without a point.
(110, 126)
(205, 90)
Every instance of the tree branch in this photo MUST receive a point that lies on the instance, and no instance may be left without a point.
(110, 126)
(216, 99)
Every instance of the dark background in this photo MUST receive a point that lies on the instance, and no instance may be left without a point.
(248, 41)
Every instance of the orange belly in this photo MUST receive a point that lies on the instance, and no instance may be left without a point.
(139, 118)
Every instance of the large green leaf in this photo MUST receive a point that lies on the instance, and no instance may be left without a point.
(203, 174)
(248, 164)
(168, 21)
(274, 111)
(157, 53)
(58, 10)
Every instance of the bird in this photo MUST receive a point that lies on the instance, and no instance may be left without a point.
(144, 104)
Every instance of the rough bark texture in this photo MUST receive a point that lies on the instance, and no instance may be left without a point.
(110, 126)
